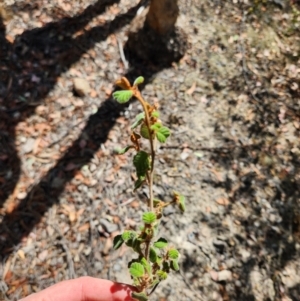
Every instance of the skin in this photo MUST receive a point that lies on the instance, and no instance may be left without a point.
(84, 289)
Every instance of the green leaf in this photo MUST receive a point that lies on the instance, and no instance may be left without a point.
(141, 162)
(138, 81)
(138, 120)
(155, 114)
(174, 265)
(152, 255)
(126, 235)
(181, 203)
(162, 275)
(161, 243)
(118, 241)
(156, 126)
(145, 132)
(136, 270)
(173, 254)
(149, 217)
(146, 265)
(122, 96)
(125, 149)
(162, 134)
(139, 296)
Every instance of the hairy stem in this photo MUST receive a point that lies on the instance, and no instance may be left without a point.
(147, 249)
(138, 95)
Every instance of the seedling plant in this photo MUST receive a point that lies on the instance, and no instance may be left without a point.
(155, 257)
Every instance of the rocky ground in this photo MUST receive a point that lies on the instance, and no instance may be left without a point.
(232, 103)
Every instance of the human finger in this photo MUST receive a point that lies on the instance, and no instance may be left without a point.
(84, 289)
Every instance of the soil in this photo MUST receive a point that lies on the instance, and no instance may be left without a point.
(232, 103)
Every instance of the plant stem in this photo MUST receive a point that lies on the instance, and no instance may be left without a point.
(138, 95)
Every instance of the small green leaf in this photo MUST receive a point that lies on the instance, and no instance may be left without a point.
(155, 114)
(162, 275)
(162, 134)
(173, 254)
(174, 265)
(152, 255)
(137, 270)
(138, 120)
(142, 163)
(149, 217)
(138, 81)
(146, 265)
(161, 243)
(156, 126)
(145, 132)
(126, 235)
(125, 149)
(139, 296)
(118, 241)
(181, 203)
(122, 96)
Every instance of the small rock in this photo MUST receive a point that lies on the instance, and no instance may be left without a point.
(93, 167)
(81, 86)
(269, 289)
(214, 275)
(219, 244)
(238, 283)
(225, 275)
(184, 155)
(87, 251)
(98, 265)
(28, 146)
(21, 195)
(117, 267)
(245, 255)
(108, 226)
(230, 263)
(107, 247)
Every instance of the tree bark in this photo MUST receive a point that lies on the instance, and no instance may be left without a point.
(154, 35)
(162, 15)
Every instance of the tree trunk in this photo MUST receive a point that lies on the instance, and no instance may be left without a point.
(154, 36)
(162, 16)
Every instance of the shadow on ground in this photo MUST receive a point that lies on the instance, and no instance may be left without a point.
(265, 186)
(45, 54)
